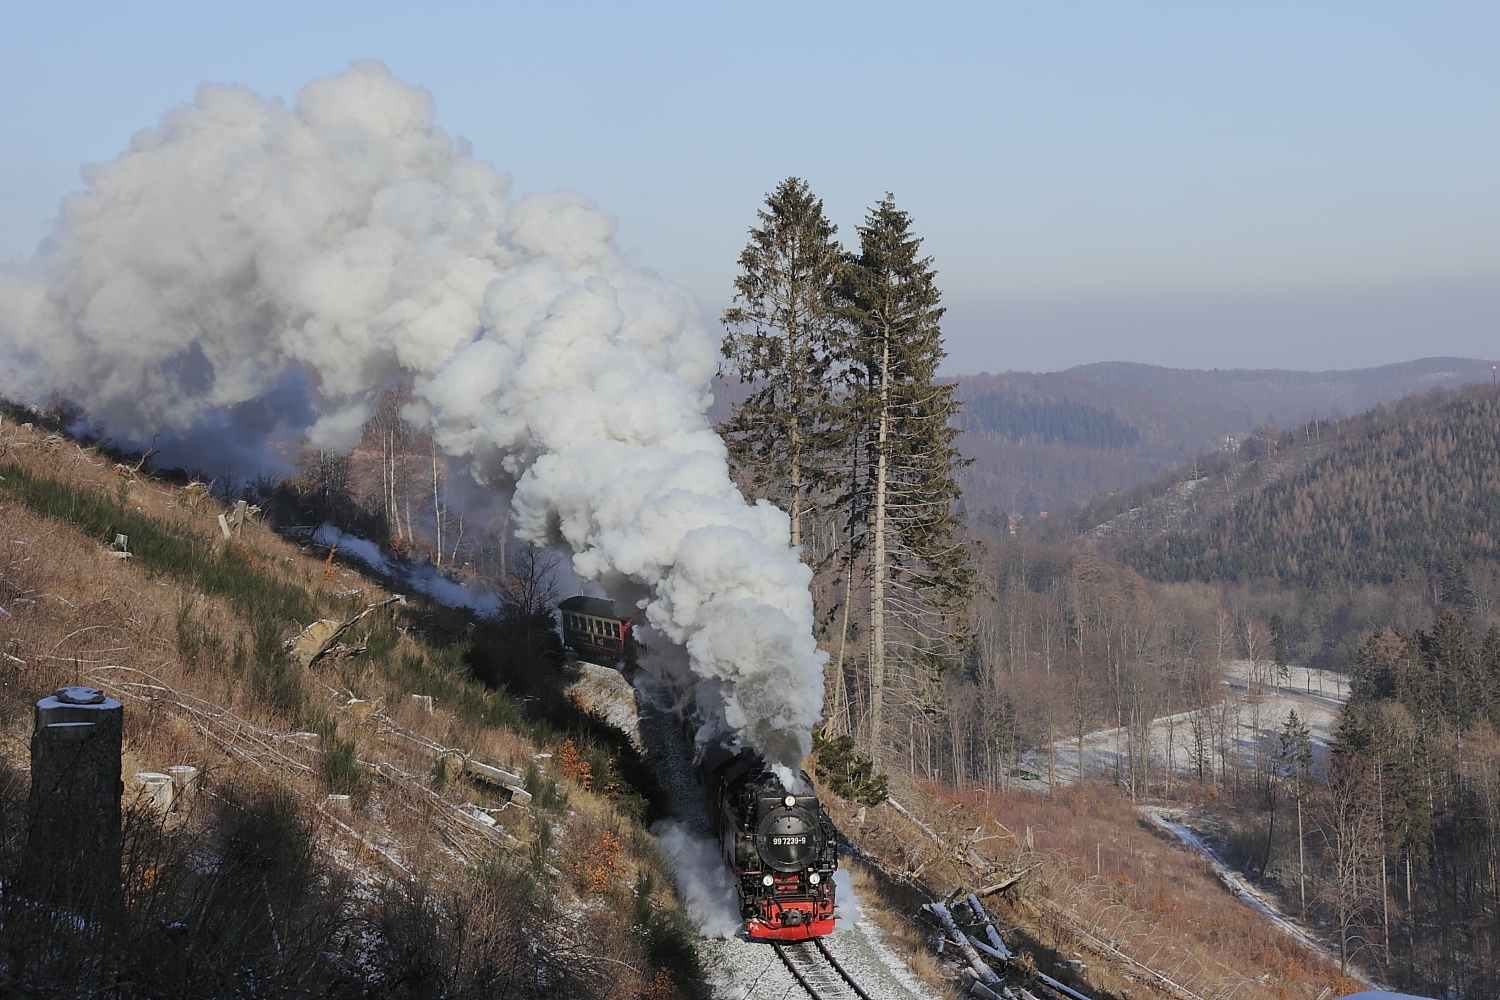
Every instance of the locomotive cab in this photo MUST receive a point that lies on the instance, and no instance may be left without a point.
(781, 846)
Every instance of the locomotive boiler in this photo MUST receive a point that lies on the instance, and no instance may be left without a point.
(780, 845)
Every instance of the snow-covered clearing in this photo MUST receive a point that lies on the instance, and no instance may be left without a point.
(1254, 707)
(605, 692)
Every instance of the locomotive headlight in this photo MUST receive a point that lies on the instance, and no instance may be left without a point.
(768, 880)
(789, 801)
(815, 878)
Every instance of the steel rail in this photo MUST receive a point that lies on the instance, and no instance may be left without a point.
(840, 970)
(781, 953)
(800, 973)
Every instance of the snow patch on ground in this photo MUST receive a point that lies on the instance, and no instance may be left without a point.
(865, 955)
(1256, 707)
(605, 692)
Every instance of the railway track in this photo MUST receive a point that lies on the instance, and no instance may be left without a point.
(818, 972)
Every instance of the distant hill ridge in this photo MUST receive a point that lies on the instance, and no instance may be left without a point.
(1045, 441)
(1282, 396)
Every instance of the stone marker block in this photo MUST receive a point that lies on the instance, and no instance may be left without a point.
(73, 838)
(157, 790)
(184, 777)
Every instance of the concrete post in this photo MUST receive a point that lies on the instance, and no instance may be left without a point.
(73, 838)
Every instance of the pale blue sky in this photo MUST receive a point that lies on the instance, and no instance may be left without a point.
(1268, 184)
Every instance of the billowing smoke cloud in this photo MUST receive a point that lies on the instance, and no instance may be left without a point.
(244, 246)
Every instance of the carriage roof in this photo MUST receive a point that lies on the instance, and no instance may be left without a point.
(594, 606)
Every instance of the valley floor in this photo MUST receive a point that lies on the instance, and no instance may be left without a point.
(1253, 708)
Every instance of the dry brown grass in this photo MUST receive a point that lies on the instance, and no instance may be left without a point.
(889, 905)
(1101, 869)
(183, 662)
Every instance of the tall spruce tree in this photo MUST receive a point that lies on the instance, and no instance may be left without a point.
(920, 576)
(1294, 764)
(778, 339)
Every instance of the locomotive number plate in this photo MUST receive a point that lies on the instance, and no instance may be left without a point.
(780, 841)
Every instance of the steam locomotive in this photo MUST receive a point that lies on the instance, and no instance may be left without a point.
(780, 846)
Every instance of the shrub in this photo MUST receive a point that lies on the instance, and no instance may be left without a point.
(596, 870)
(848, 774)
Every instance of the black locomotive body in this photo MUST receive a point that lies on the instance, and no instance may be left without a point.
(781, 847)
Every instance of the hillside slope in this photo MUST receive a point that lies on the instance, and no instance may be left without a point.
(1394, 494)
(334, 841)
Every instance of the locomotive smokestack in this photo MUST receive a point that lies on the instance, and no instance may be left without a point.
(248, 260)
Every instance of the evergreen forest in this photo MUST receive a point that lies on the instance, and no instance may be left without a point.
(1052, 422)
(1419, 752)
(1397, 494)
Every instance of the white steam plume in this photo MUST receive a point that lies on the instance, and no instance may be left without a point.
(243, 245)
(704, 884)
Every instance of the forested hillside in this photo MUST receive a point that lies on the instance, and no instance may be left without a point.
(1042, 442)
(1049, 421)
(1414, 772)
(1048, 441)
(1399, 493)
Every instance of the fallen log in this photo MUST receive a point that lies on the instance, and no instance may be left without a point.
(319, 637)
(977, 964)
(1008, 880)
(989, 928)
(1065, 990)
(923, 826)
(987, 949)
